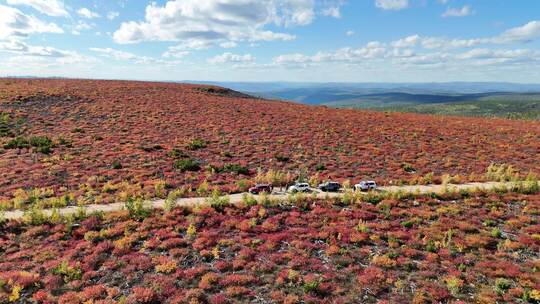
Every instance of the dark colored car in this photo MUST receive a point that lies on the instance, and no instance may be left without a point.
(257, 189)
(330, 187)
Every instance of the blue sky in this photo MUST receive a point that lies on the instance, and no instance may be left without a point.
(273, 40)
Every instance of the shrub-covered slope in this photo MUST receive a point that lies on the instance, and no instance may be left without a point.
(100, 140)
(480, 249)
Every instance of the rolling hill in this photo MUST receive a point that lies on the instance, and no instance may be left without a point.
(505, 100)
(95, 141)
(76, 142)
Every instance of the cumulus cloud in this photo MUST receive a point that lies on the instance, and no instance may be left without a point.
(217, 20)
(458, 12)
(523, 33)
(86, 13)
(407, 42)
(13, 23)
(230, 57)
(392, 4)
(53, 8)
(350, 33)
(372, 50)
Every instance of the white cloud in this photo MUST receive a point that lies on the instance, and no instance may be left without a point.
(86, 13)
(392, 4)
(13, 23)
(350, 33)
(490, 54)
(372, 50)
(217, 20)
(112, 15)
(523, 33)
(458, 12)
(21, 48)
(175, 54)
(193, 44)
(116, 54)
(80, 26)
(407, 42)
(53, 8)
(230, 57)
(332, 12)
(127, 56)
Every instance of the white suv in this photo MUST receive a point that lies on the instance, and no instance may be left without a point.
(300, 187)
(366, 186)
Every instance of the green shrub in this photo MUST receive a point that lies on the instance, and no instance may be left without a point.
(116, 165)
(282, 158)
(69, 273)
(17, 143)
(187, 165)
(320, 167)
(236, 168)
(41, 144)
(408, 168)
(312, 286)
(496, 232)
(197, 144)
(231, 168)
(4, 125)
(502, 285)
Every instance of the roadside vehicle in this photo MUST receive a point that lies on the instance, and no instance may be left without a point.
(300, 187)
(330, 187)
(365, 186)
(259, 188)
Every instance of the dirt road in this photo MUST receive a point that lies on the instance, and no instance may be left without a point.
(237, 198)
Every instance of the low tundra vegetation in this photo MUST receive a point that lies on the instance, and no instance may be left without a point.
(136, 132)
(483, 248)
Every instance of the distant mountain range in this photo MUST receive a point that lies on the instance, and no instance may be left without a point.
(491, 99)
(322, 93)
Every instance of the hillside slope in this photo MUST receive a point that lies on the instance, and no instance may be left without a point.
(104, 133)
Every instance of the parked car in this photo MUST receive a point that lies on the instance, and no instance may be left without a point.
(300, 187)
(366, 186)
(330, 187)
(259, 188)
